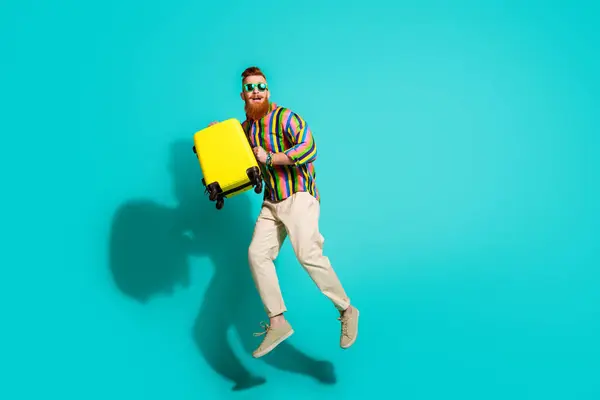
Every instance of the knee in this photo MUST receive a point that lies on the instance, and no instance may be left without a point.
(257, 253)
(309, 250)
(309, 253)
(253, 253)
(305, 259)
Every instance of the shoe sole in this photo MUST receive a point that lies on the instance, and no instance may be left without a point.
(355, 336)
(273, 345)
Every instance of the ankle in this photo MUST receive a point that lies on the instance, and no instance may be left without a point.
(277, 320)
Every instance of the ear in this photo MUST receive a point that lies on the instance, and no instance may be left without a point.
(242, 95)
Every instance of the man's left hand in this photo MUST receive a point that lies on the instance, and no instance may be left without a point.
(261, 154)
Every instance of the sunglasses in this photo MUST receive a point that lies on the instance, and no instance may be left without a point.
(249, 87)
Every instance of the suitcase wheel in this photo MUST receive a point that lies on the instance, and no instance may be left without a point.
(194, 149)
(213, 191)
(254, 176)
(214, 194)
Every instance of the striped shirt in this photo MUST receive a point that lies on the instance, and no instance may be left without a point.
(284, 131)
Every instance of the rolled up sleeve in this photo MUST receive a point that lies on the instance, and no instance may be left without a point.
(304, 148)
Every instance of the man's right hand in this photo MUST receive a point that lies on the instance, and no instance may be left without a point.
(212, 123)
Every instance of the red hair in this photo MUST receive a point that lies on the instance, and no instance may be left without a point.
(250, 71)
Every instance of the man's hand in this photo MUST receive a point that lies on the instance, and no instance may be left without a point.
(212, 123)
(261, 154)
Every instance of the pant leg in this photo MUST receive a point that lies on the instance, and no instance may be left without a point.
(267, 239)
(300, 215)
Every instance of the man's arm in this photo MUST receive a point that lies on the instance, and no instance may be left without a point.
(304, 148)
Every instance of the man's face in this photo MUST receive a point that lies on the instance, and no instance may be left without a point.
(255, 94)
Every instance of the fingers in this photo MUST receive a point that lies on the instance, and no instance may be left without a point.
(257, 151)
(213, 123)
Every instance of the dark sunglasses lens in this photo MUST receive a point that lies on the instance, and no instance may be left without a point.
(262, 87)
(248, 87)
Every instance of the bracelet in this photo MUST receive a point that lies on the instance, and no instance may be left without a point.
(269, 159)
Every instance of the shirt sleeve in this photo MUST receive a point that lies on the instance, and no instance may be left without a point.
(304, 148)
(247, 133)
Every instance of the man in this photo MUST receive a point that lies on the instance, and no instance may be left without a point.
(285, 149)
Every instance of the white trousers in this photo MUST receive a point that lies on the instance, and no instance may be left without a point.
(296, 217)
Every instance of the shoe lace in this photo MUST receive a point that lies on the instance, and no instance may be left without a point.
(266, 329)
(344, 322)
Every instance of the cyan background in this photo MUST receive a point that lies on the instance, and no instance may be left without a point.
(458, 166)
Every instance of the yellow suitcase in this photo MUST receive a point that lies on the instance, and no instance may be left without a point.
(226, 160)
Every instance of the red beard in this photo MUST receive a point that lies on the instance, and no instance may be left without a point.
(256, 111)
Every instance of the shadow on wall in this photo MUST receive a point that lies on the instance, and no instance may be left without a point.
(149, 248)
